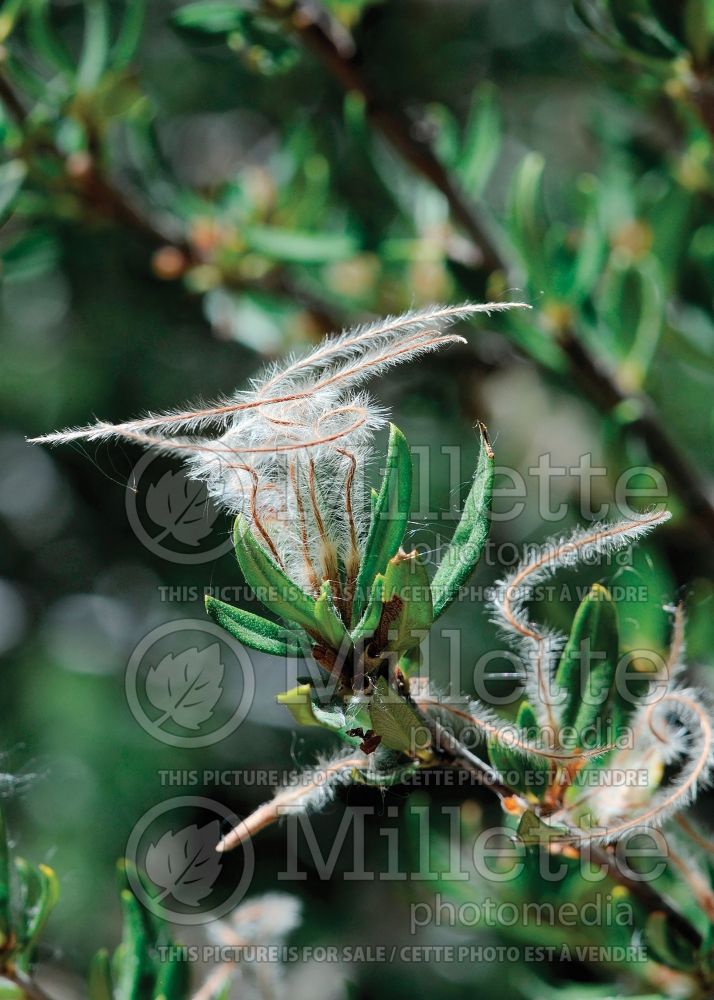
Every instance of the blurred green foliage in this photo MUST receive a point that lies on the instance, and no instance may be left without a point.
(188, 189)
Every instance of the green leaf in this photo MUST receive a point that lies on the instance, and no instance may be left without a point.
(132, 969)
(533, 774)
(630, 305)
(299, 247)
(127, 43)
(29, 256)
(641, 30)
(253, 631)
(592, 244)
(95, 47)
(328, 618)
(278, 592)
(99, 986)
(470, 536)
(396, 722)
(389, 518)
(373, 612)
(211, 18)
(589, 660)
(307, 710)
(410, 661)
(481, 142)
(10, 14)
(38, 896)
(527, 222)
(699, 28)
(12, 174)
(172, 979)
(667, 945)
(373, 500)
(45, 41)
(407, 581)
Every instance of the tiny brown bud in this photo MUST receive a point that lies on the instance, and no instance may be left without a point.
(79, 165)
(168, 263)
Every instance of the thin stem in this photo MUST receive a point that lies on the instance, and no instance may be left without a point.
(255, 516)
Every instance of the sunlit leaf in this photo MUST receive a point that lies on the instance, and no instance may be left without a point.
(389, 518)
(464, 552)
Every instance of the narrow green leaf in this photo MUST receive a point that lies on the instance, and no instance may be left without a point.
(212, 17)
(45, 41)
(699, 29)
(127, 43)
(172, 980)
(10, 14)
(589, 660)
(410, 661)
(299, 247)
(528, 775)
(389, 518)
(667, 945)
(527, 223)
(328, 618)
(32, 254)
(466, 546)
(592, 244)
(307, 710)
(253, 631)
(372, 613)
(38, 895)
(131, 966)
(99, 986)
(278, 592)
(95, 47)
(481, 141)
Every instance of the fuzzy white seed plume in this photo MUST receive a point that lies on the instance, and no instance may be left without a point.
(270, 917)
(539, 645)
(261, 920)
(675, 731)
(288, 453)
